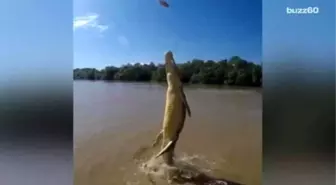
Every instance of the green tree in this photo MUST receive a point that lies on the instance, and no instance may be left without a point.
(235, 71)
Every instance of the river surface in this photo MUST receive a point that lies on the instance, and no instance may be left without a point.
(112, 120)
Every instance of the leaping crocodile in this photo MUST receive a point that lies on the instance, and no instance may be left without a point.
(175, 111)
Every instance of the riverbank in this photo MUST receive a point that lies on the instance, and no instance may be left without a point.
(235, 71)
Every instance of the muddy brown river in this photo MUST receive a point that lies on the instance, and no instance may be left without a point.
(113, 120)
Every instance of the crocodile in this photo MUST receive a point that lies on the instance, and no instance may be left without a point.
(176, 109)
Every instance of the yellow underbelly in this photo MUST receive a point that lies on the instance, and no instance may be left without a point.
(173, 118)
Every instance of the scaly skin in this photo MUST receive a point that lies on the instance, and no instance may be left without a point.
(172, 68)
(175, 111)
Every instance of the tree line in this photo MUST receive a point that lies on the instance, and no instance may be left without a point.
(235, 71)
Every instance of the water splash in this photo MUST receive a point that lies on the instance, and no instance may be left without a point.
(187, 170)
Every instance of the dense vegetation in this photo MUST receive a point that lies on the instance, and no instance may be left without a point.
(235, 71)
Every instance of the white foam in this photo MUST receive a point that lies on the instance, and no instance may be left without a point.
(186, 166)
